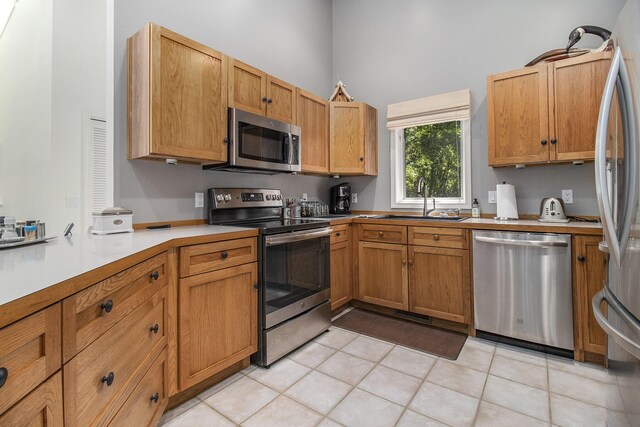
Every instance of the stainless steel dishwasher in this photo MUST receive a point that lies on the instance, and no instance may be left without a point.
(522, 286)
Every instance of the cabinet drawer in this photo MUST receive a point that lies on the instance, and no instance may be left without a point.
(99, 379)
(382, 233)
(41, 407)
(340, 233)
(456, 238)
(90, 313)
(29, 353)
(149, 399)
(199, 259)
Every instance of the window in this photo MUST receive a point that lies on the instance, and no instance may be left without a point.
(430, 139)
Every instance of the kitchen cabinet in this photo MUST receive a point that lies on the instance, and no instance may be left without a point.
(341, 266)
(590, 269)
(218, 323)
(42, 407)
(382, 274)
(177, 98)
(546, 113)
(353, 139)
(439, 283)
(313, 119)
(253, 90)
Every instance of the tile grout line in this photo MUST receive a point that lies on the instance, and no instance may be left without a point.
(480, 400)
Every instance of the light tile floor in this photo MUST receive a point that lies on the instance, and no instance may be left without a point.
(342, 378)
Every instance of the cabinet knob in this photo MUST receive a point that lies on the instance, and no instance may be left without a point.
(554, 141)
(264, 99)
(380, 233)
(155, 398)
(154, 328)
(154, 275)
(108, 379)
(256, 285)
(436, 237)
(269, 101)
(107, 306)
(361, 159)
(581, 258)
(404, 262)
(410, 262)
(543, 142)
(224, 255)
(338, 234)
(4, 374)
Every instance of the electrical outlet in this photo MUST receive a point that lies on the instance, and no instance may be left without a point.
(567, 196)
(492, 197)
(199, 200)
(304, 196)
(354, 197)
(71, 201)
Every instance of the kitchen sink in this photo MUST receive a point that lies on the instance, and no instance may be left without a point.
(423, 218)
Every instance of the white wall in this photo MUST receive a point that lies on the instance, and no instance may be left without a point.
(52, 71)
(393, 51)
(290, 39)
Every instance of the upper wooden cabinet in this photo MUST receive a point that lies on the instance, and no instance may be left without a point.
(253, 90)
(313, 119)
(547, 113)
(177, 92)
(353, 139)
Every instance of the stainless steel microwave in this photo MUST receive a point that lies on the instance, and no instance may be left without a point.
(260, 144)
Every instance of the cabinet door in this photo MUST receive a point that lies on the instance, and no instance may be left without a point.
(247, 88)
(517, 104)
(382, 274)
(281, 100)
(346, 149)
(439, 283)
(42, 407)
(577, 90)
(218, 321)
(590, 273)
(189, 103)
(341, 291)
(313, 119)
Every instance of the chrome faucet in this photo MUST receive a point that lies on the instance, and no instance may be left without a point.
(422, 188)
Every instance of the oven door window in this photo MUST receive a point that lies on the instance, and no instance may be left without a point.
(295, 271)
(265, 145)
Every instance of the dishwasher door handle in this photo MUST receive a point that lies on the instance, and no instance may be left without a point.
(515, 242)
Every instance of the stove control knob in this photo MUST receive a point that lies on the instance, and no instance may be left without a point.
(279, 197)
(268, 196)
(219, 197)
(227, 197)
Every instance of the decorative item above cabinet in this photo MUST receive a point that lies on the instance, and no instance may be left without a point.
(546, 113)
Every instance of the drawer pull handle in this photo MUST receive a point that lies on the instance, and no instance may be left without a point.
(155, 275)
(380, 233)
(224, 255)
(4, 374)
(256, 285)
(581, 258)
(107, 306)
(543, 142)
(154, 328)
(108, 379)
(264, 99)
(436, 237)
(337, 234)
(155, 398)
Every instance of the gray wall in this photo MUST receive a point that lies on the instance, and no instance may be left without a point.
(290, 39)
(393, 51)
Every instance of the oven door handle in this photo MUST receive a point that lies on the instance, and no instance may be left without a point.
(297, 236)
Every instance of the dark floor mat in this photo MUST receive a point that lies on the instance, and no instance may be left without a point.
(429, 339)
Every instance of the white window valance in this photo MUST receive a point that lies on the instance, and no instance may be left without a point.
(432, 109)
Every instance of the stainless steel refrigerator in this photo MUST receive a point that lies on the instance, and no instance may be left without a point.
(617, 306)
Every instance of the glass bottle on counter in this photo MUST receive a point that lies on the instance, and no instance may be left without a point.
(475, 209)
(9, 228)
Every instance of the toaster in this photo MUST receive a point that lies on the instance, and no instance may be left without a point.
(552, 210)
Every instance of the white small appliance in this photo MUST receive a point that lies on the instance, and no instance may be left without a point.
(112, 220)
(552, 210)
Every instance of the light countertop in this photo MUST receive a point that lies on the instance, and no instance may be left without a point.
(28, 269)
(532, 223)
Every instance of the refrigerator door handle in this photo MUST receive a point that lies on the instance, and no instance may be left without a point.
(624, 341)
(602, 131)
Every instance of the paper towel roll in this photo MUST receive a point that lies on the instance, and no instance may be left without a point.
(507, 205)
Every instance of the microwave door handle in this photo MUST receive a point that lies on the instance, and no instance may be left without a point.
(290, 139)
(631, 155)
(602, 131)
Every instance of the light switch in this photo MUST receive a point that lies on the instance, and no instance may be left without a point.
(492, 197)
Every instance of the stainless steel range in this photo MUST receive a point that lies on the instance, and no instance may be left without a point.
(293, 268)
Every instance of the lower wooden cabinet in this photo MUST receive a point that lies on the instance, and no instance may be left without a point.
(382, 274)
(41, 407)
(218, 321)
(341, 290)
(590, 271)
(439, 283)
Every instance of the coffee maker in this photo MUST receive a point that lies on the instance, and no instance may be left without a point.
(340, 202)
